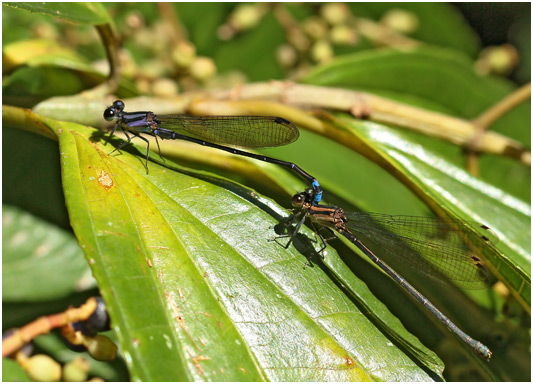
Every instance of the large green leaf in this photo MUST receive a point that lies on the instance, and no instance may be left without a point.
(87, 13)
(454, 302)
(444, 187)
(440, 80)
(447, 188)
(435, 179)
(196, 290)
(38, 52)
(40, 68)
(40, 261)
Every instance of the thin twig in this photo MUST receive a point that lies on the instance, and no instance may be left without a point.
(487, 118)
(382, 35)
(295, 35)
(375, 108)
(172, 22)
(45, 324)
(110, 43)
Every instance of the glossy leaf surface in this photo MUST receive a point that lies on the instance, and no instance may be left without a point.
(196, 289)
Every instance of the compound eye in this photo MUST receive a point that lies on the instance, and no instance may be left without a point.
(110, 113)
(298, 200)
(119, 105)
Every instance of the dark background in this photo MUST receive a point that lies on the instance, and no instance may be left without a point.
(500, 23)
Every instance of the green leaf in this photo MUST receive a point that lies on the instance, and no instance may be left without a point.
(12, 371)
(40, 68)
(85, 13)
(425, 76)
(472, 199)
(41, 83)
(444, 81)
(38, 83)
(196, 290)
(37, 52)
(368, 184)
(436, 79)
(440, 24)
(460, 90)
(40, 261)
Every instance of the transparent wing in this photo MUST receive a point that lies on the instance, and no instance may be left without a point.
(438, 248)
(237, 131)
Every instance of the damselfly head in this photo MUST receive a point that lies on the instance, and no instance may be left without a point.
(305, 197)
(111, 112)
(298, 200)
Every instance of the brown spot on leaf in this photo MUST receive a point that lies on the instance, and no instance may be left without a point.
(348, 360)
(104, 179)
(196, 360)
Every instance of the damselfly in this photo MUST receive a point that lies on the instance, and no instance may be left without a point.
(435, 247)
(213, 131)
